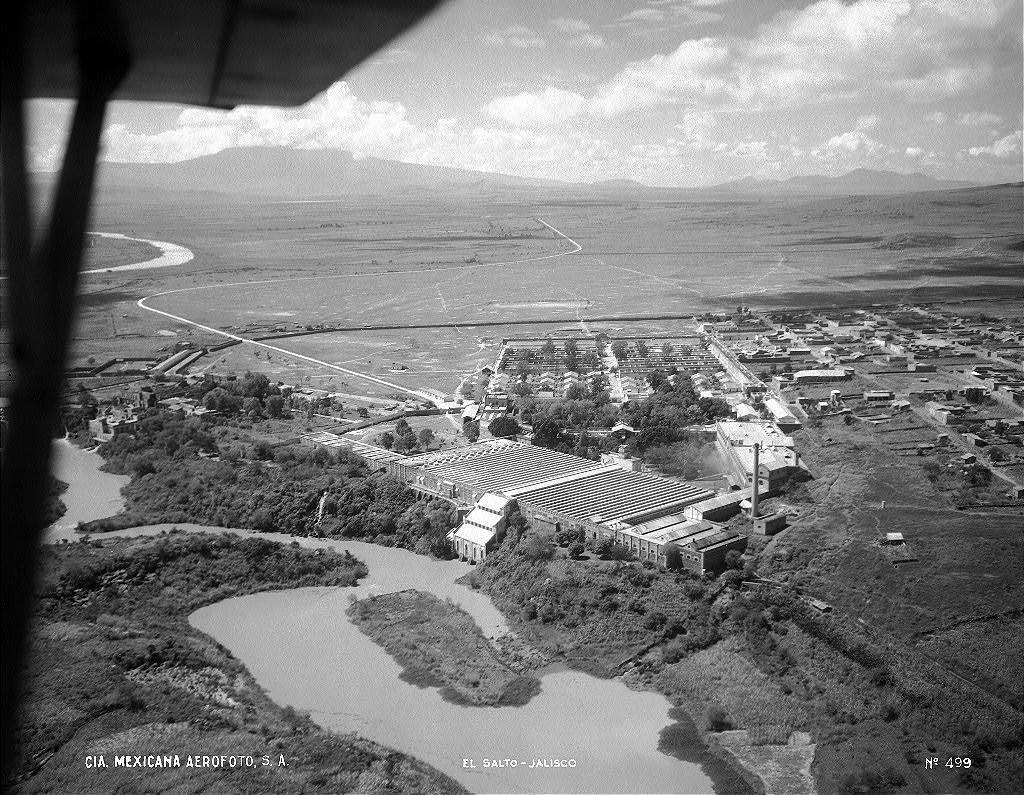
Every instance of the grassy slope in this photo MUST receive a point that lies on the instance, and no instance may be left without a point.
(440, 645)
(116, 668)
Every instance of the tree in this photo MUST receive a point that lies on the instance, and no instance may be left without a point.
(425, 436)
(603, 547)
(575, 392)
(275, 406)
(575, 549)
(255, 385)
(642, 349)
(656, 378)
(252, 408)
(404, 442)
(571, 355)
(667, 349)
(386, 439)
(471, 430)
(504, 426)
(620, 348)
(522, 389)
(219, 399)
(546, 431)
(734, 559)
(548, 347)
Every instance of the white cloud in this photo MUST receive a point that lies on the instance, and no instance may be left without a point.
(334, 119)
(550, 106)
(914, 152)
(518, 36)
(692, 12)
(866, 122)
(918, 51)
(936, 118)
(743, 148)
(854, 141)
(587, 41)
(695, 130)
(979, 118)
(1006, 147)
(570, 25)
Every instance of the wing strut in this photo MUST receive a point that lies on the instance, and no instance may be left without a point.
(42, 284)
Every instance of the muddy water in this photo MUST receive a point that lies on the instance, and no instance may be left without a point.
(302, 648)
(91, 494)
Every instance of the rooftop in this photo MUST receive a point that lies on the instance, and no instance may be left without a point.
(612, 493)
(501, 465)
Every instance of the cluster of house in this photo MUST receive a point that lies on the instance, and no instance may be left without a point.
(123, 415)
(545, 384)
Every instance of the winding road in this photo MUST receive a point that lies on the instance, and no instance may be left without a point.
(142, 303)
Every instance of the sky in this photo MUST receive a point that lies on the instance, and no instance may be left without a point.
(666, 92)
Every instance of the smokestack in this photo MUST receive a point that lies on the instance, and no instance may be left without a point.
(757, 477)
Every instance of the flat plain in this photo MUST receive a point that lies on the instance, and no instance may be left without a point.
(266, 267)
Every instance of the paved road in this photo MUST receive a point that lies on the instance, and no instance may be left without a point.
(423, 395)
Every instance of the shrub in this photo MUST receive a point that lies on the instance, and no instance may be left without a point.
(717, 719)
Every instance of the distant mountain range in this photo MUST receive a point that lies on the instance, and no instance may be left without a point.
(305, 174)
(277, 172)
(858, 181)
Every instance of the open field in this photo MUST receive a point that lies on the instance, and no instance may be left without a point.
(971, 562)
(355, 263)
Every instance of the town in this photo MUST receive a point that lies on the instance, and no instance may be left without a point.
(942, 388)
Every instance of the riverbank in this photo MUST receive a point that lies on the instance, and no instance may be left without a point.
(117, 669)
(439, 645)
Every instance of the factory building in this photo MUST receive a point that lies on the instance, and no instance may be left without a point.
(701, 545)
(778, 456)
(556, 491)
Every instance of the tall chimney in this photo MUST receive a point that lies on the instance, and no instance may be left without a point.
(757, 477)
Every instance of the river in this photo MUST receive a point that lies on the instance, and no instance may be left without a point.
(301, 647)
(91, 494)
(170, 254)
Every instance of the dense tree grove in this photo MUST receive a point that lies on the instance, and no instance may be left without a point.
(274, 489)
(503, 425)
(661, 421)
(664, 416)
